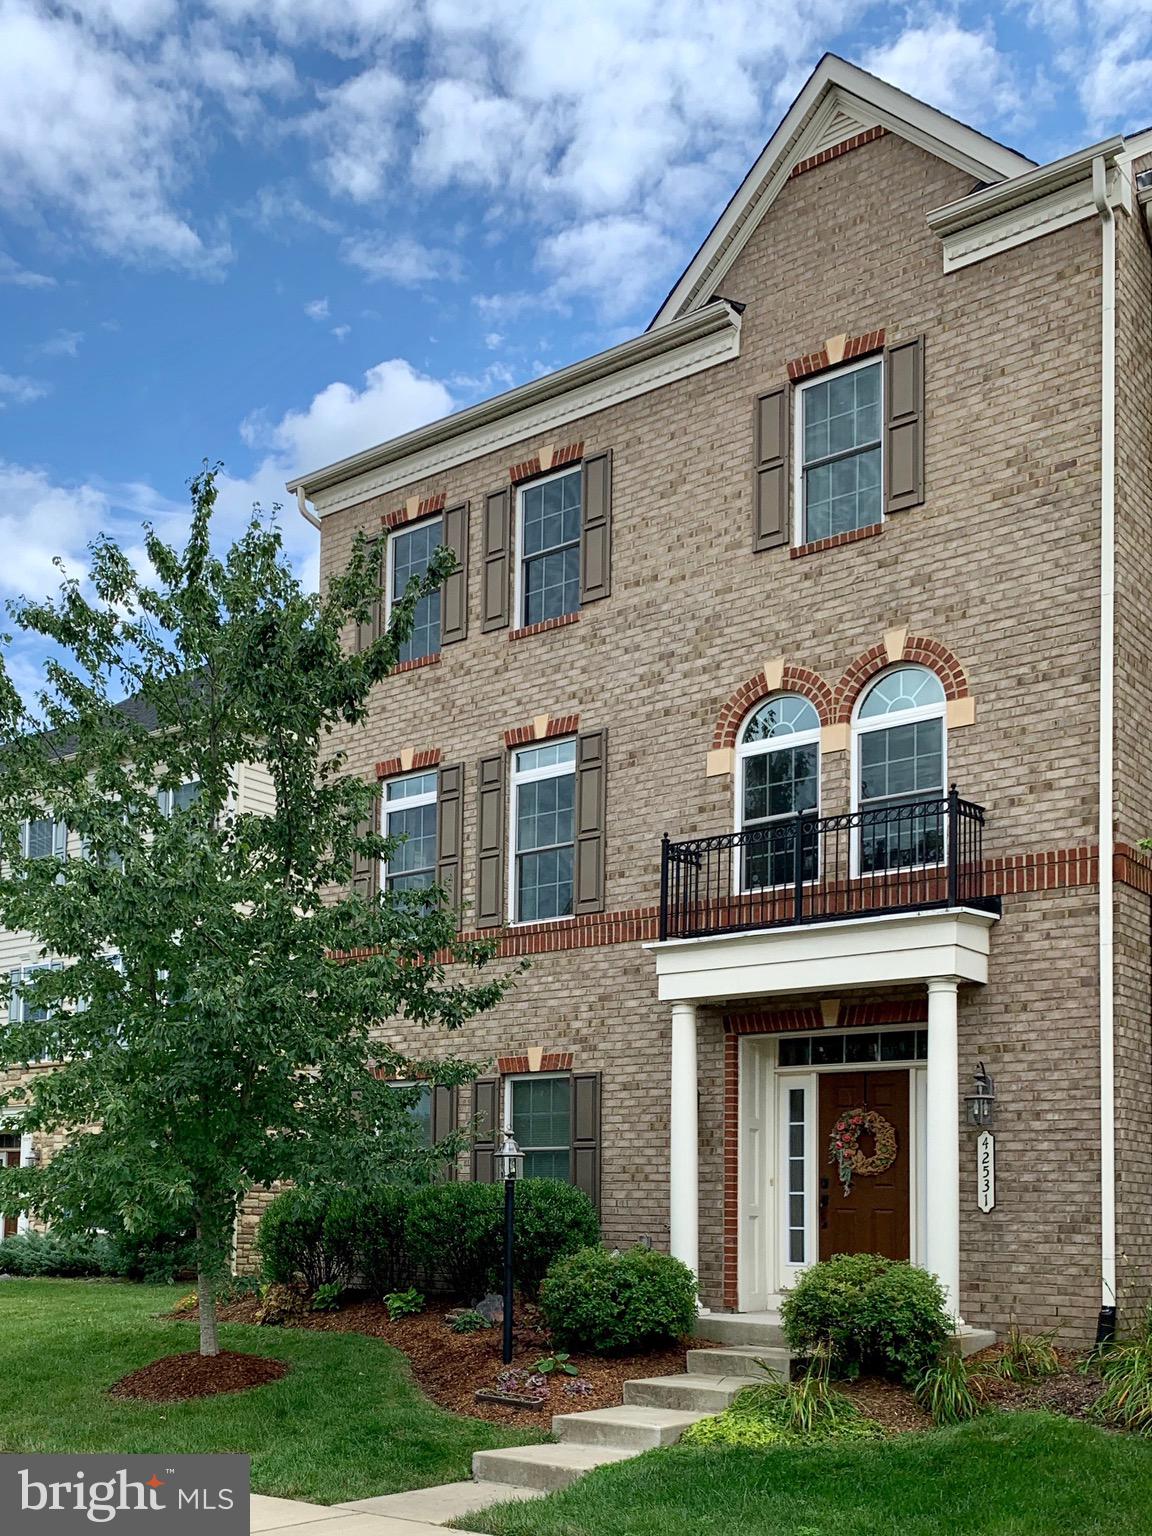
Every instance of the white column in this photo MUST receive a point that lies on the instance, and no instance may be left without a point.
(942, 1239)
(684, 1166)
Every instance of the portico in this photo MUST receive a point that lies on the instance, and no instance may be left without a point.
(939, 951)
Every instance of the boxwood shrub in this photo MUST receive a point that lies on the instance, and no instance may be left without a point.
(453, 1234)
(70, 1257)
(876, 1315)
(552, 1219)
(612, 1303)
(366, 1228)
(293, 1245)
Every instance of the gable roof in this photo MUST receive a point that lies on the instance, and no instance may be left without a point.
(838, 102)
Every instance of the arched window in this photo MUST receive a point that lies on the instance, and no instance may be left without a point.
(778, 779)
(899, 770)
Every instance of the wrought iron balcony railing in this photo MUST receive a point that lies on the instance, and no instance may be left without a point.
(907, 857)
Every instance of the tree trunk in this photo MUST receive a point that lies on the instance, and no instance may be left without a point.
(206, 1296)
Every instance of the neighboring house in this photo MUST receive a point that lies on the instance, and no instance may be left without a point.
(21, 954)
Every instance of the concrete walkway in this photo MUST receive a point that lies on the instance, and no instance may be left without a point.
(422, 1512)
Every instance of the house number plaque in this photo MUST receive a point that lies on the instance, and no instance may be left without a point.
(986, 1170)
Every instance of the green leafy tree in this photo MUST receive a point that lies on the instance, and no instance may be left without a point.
(211, 1022)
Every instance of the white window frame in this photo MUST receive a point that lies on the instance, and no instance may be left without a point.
(165, 798)
(860, 728)
(17, 1006)
(800, 514)
(59, 835)
(10, 1125)
(428, 798)
(539, 1077)
(745, 750)
(521, 618)
(532, 776)
(390, 563)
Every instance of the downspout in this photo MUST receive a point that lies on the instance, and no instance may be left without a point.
(305, 511)
(1106, 1323)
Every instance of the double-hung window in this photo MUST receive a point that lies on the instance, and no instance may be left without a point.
(779, 763)
(899, 771)
(409, 813)
(840, 428)
(539, 1111)
(409, 552)
(543, 831)
(182, 798)
(21, 1010)
(43, 837)
(549, 543)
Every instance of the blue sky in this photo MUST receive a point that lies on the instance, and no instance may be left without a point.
(253, 232)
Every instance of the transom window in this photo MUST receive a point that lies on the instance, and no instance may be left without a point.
(410, 814)
(543, 830)
(839, 430)
(550, 547)
(539, 1111)
(854, 1048)
(900, 771)
(409, 552)
(779, 779)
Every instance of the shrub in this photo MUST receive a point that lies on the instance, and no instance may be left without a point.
(873, 1314)
(1126, 1369)
(157, 1257)
(293, 1245)
(608, 1303)
(367, 1229)
(950, 1391)
(552, 1219)
(64, 1256)
(453, 1235)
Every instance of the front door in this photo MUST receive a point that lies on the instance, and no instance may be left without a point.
(9, 1158)
(874, 1216)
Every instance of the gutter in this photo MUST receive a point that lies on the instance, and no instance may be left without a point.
(713, 319)
(302, 507)
(1106, 1324)
(1023, 189)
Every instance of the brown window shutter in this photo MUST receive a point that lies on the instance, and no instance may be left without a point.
(770, 527)
(444, 1112)
(450, 831)
(454, 594)
(904, 425)
(366, 870)
(591, 800)
(368, 633)
(494, 598)
(596, 528)
(490, 843)
(586, 1134)
(485, 1107)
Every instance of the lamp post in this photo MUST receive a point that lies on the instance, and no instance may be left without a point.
(509, 1166)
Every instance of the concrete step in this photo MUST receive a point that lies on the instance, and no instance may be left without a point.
(629, 1428)
(543, 1466)
(740, 1360)
(969, 1340)
(691, 1394)
(761, 1328)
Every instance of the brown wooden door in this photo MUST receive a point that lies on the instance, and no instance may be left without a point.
(9, 1158)
(874, 1216)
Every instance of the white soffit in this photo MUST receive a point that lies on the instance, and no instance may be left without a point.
(838, 101)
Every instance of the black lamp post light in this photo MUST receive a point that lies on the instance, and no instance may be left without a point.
(509, 1166)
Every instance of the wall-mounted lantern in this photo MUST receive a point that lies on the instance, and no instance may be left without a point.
(980, 1103)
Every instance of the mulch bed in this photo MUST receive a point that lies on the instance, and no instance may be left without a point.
(176, 1378)
(452, 1367)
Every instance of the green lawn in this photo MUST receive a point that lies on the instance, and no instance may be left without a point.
(1003, 1475)
(346, 1423)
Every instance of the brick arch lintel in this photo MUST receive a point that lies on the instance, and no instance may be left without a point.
(919, 650)
(801, 680)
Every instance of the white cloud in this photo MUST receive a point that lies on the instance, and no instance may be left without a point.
(19, 389)
(40, 520)
(958, 70)
(62, 344)
(400, 259)
(355, 131)
(93, 132)
(316, 309)
(616, 260)
(341, 332)
(14, 275)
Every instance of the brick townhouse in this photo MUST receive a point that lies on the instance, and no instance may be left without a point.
(789, 709)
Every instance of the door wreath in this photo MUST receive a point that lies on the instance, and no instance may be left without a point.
(844, 1144)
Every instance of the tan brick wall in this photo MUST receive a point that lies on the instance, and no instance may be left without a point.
(999, 565)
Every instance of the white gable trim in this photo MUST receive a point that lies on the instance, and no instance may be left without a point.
(835, 90)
